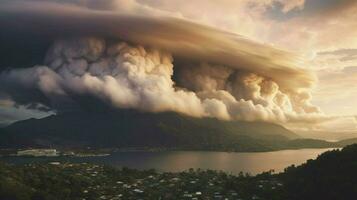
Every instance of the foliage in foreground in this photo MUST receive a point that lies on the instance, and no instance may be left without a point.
(332, 176)
(87, 181)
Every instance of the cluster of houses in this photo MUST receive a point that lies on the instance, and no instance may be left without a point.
(188, 185)
(53, 152)
(38, 152)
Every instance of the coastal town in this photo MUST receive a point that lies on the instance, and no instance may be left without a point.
(88, 181)
(60, 180)
(49, 152)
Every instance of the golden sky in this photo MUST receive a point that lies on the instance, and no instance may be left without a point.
(321, 33)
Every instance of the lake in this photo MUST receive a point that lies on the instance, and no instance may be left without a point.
(174, 161)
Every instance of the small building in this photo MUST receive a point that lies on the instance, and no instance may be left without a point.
(138, 191)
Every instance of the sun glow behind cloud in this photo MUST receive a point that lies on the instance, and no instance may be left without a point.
(294, 26)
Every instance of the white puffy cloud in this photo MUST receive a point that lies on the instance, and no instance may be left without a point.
(127, 76)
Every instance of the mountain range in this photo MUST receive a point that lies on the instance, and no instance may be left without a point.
(135, 129)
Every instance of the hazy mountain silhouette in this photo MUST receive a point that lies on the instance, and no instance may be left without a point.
(129, 128)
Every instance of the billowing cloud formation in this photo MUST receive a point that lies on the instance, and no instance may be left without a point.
(133, 76)
(154, 64)
(184, 39)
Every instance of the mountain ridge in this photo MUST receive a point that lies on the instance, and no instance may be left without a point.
(135, 129)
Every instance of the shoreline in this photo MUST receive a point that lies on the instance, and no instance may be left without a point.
(150, 150)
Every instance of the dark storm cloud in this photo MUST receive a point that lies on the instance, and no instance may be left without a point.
(184, 39)
(127, 61)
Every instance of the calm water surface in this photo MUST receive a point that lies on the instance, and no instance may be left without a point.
(174, 161)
